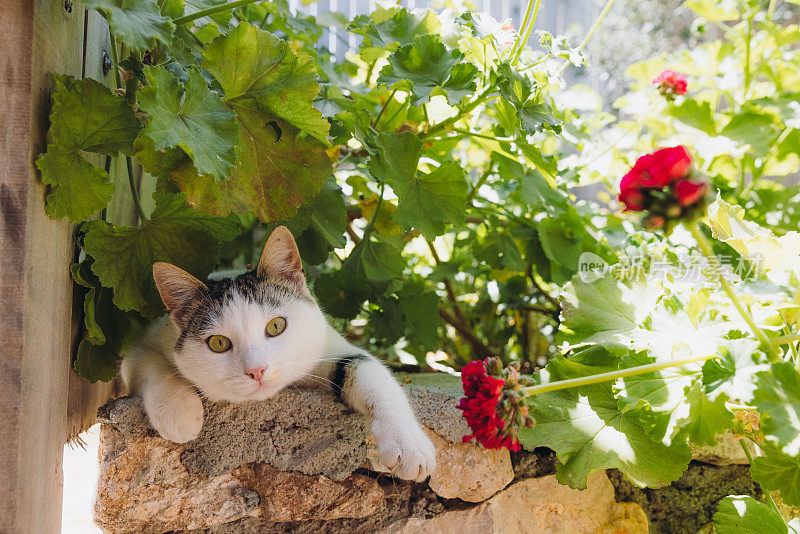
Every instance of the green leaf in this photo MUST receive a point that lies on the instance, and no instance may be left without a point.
(696, 114)
(534, 114)
(86, 116)
(755, 129)
(267, 76)
(734, 372)
(192, 117)
(589, 432)
(341, 293)
(278, 168)
(420, 308)
(175, 233)
(79, 189)
(658, 398)
(138, 22)
(277, 171)
(742, 514)
(426, 201)
(379, 260)
(778, 471)
(773, 253)
(706, 418)
(108, 332)
(714, 10)
(777, 398)
(393, 28)
(427, 65)
(606, 311)
(532, 187)
(327, 219)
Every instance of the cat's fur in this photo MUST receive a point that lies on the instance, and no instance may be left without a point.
(172, 365)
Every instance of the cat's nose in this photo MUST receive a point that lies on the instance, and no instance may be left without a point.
(256, 373)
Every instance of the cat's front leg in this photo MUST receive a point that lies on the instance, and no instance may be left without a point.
(172, 405)
(367, 386)
(175, 410)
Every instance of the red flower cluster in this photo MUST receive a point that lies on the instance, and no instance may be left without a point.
(480, 409)
(670, 83)
(661, 183)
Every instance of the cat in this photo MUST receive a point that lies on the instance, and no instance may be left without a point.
(246, 338)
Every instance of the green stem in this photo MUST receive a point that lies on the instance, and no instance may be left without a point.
(212, 11)
(479, 183)
(591, 32)
(748, 38)
(612, 375)
(536, 63)
(705, 247)
(400, 108)
(781, 340)
(466, 109)
(750, 461)
(134, 193)
(469, 133)
(115, 59)
(371, 223)
(771, 8)
(528, 29)
(386, 105)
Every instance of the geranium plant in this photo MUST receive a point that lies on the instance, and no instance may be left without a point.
(431, 178)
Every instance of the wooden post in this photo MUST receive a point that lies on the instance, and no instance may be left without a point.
(42, 401)
(36, 313)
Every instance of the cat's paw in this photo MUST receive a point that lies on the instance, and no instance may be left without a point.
(404, 450)
(176, 414)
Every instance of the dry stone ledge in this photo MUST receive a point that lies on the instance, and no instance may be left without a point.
(303, 462)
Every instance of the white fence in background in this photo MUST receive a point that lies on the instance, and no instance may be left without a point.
(555, 16)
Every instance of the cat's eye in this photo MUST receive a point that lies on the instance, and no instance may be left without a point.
(276, 326)
(218, 343)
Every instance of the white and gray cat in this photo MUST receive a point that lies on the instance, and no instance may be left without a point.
(246, 338)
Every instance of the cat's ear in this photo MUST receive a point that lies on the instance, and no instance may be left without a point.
(177, 288)
(280, 260)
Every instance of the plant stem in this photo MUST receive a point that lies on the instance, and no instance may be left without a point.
(750, 461)
(785, 339)
(771, 8)
(478, 346)
(466, 109)
(528, 29)
(612, 375)
(591, 32)
(371, 223)
(386, 105)
(212, 10)
(705, 247)
(115, 59)
(482, 180)
(482, 136)
(134, 193)
(748, 38)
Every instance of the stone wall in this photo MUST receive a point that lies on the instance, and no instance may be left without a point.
(303, 463)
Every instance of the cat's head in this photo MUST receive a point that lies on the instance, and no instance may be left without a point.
(245, 338)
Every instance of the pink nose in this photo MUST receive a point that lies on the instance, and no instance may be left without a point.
(256, 374)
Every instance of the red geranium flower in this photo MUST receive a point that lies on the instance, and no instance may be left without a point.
(671, 83)
(661, 184)
(480, 409)
(688, 192)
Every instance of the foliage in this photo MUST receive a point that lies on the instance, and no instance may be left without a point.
(433, 182)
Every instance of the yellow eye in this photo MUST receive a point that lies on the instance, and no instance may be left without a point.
(218, 343)
(276, 326)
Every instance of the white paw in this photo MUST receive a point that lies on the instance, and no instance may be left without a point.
(176, 414)
(404, 449)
